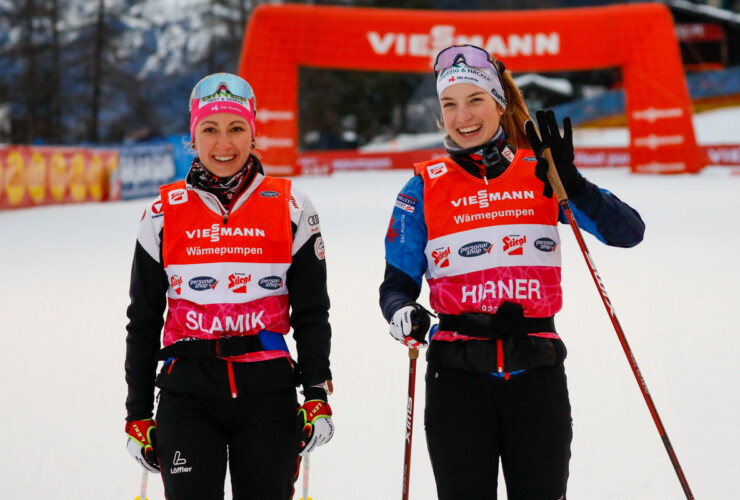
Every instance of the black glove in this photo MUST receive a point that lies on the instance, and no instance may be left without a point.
(561, 149)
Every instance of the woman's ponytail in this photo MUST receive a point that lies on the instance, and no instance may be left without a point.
(516, 114)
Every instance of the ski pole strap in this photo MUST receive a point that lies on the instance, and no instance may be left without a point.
(494, 326)
(228, 346)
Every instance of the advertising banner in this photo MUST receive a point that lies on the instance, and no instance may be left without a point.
(44, 175)
(639, 39)
(328, 162)
(143, 168)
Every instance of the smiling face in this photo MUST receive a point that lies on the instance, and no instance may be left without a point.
(471, 116)
(223, 141)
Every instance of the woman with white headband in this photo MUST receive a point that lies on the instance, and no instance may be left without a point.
(237, 259)
(481, 225)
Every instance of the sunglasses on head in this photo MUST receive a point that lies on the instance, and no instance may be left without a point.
(470, 55)
(217, 82)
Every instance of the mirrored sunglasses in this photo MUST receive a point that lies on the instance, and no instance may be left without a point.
(470, 55)
(212, 84)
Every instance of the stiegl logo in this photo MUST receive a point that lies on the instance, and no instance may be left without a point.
(514, 244)
(238, 282)
(176, 284)
(178, 196)
(441, 257)
(436, 170)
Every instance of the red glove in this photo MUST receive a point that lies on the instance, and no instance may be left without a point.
(315, 425)
(142, 443)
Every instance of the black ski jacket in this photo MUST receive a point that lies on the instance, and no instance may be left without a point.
(207, 375)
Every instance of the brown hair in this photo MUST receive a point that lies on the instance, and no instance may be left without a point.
(516, 113)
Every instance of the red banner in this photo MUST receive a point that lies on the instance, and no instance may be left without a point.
(44, 175)
(640, 39)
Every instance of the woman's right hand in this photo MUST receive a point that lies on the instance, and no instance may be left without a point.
(142, 442)
(409, 325)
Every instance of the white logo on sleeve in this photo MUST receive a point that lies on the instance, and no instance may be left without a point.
(318, 248)
(312, 223)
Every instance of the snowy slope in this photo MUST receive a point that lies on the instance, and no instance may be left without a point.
(62, 308)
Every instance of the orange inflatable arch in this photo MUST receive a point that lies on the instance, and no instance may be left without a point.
(638, 38)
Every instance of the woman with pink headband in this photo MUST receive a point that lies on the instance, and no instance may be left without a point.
(235, 258)
(480, 224)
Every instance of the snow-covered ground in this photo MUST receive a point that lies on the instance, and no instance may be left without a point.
(64, 294)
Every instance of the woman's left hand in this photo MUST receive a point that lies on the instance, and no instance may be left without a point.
(561, 148)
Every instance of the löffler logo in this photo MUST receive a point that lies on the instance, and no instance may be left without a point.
(179, 464)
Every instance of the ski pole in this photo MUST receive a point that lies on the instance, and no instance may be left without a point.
(413, 354)
(306, 464)
(562, 197)
(144, 482)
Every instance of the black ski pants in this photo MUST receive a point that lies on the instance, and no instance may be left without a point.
(256, 434)
(473, 419)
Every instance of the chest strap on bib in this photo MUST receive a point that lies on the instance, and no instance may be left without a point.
(224, 347)
(508, 322)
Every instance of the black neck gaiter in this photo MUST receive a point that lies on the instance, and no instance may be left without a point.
(484, 161)
(226, 189)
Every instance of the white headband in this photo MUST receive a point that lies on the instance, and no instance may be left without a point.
(485, 78)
